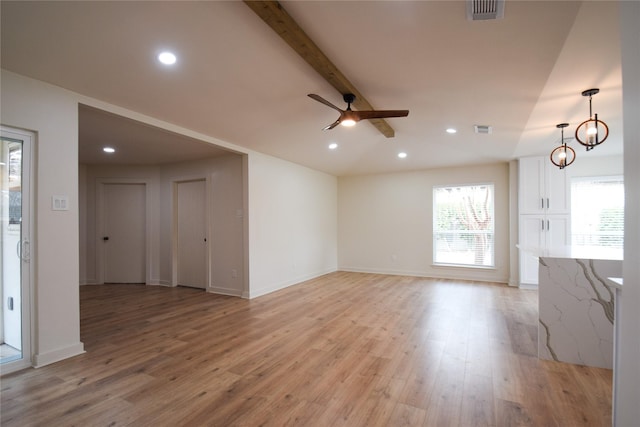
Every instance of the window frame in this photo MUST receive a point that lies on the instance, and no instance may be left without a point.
(591, 178)
(491, 231)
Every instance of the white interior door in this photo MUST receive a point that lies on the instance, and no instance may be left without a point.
(191, 234)
(124, 233)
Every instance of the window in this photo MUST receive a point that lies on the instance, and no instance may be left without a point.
(597, 213)
(463, 230)
(14, 182)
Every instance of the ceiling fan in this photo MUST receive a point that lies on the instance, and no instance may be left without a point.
(349, 117)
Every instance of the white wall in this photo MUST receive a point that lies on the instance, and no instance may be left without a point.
(593, 165)
(292, 223)
(385, 222)
(52, 114)
(627, 365)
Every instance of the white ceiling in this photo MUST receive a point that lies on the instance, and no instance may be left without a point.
(237, 81)
(136, 143)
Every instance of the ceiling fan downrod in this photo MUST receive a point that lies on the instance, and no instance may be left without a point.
(349, 98)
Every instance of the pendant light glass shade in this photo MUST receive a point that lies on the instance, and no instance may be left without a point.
(591, 132)
(563, 155)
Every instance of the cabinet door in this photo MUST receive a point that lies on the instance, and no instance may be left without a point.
(556, 190)
(557, 235)
(532, 244)
(531, 195)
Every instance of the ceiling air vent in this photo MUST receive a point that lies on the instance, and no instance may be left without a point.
(483, 129)
(482, 10)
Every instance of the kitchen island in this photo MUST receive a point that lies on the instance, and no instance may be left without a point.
(577, 308)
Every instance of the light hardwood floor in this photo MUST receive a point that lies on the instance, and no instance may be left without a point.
(346, 349)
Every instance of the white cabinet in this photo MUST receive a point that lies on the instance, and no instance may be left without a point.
(540, 235)
(544, 207)
(543, 187)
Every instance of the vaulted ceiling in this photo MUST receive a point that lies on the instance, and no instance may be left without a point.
(238, 81)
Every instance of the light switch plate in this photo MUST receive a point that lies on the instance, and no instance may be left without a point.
(60, 203)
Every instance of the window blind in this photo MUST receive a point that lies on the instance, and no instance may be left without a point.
(597, 212)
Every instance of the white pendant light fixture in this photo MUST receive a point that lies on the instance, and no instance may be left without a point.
(591, 132)
(563, 155)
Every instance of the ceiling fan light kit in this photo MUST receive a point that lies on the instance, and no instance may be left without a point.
(590, 133)
(350, 117)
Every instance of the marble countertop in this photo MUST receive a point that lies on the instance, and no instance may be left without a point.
(581, 252)
(616, 282)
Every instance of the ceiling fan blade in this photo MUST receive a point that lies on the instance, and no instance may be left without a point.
(381, 114)
(332, 125)
(323, 101)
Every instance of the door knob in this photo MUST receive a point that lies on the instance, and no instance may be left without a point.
(105, 238)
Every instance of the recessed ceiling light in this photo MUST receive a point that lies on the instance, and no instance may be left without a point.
(109, 150)
(451, 130)
(333, 146)
(402, 154)
(167, 58)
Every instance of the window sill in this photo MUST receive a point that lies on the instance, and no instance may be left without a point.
(473, 267)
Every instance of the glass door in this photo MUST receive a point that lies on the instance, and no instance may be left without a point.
(15, 249)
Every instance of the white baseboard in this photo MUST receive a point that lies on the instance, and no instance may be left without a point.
(466, 278)
(164, 283)
(49, 357)
(254, 293)
(225, 291)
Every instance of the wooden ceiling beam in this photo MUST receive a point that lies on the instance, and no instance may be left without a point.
(274, 15)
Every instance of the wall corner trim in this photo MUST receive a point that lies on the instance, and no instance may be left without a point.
(47, 358)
